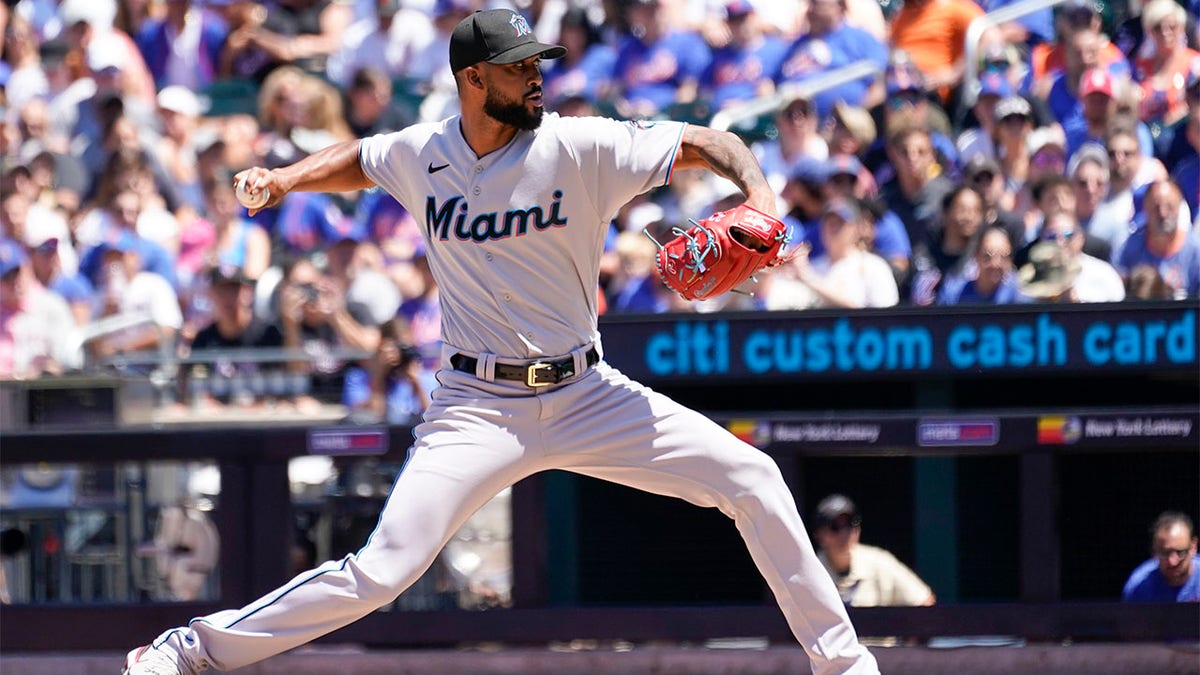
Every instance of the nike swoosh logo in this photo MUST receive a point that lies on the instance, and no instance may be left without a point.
(435, 169)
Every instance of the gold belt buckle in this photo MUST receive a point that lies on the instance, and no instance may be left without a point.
(533, 375)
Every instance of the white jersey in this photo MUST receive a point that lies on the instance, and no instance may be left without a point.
(514, 238)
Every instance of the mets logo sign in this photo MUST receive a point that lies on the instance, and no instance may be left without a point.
(520, 25)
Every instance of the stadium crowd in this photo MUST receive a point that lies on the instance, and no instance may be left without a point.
(1058, 161)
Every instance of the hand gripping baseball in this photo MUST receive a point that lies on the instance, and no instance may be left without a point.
(256, 189)
(720, 252)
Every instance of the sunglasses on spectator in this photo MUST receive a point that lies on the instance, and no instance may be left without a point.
(983, 177)
(842, 523)
(1122, 153)
(1059, 236)
(1166, 553)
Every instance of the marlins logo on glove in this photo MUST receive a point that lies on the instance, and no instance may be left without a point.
(720, 252)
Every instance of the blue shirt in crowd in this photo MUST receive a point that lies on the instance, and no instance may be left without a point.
(1147, 584)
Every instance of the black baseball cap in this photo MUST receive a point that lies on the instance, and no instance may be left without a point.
(839, 509)
(496, 36)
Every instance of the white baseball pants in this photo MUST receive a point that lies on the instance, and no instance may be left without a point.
(480, 437)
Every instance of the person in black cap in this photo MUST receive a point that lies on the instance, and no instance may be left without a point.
(514, 203)
(866, 576)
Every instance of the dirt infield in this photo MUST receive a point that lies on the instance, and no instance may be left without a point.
(1080, 659)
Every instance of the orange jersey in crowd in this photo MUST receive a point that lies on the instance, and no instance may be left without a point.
(1162, 94)
(934, 33)
(1048, 58)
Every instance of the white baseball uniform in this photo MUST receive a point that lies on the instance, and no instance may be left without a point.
(514, 240)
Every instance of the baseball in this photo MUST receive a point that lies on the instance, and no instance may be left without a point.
(251, 201)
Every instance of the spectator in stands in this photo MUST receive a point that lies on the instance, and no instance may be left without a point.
(386, 41)
(316, 318)
(884, 235)
(933, 33)
(23, 217)
(237, 243)
(993, 280)
(429, 64)
(1106, 226)
(866, 576)
(1130, 171)
(1186, 173)
(1047, 151)
(804, 199)
(120, 214)
(392, 386)
(831, 43)
(26, 80)
(423, 312)
(586, 69)
(741, 70)
(916, 192)
(850, 131)
(948, 249)
(1097, 280)
(47, 269)
(1048, 59)
(88, 24)
(1007, 60)
(369, 105)
(1173, 145)
(1014, 120)
(1081, 55)
(127, 291)
(636, 286)
(183, 47)
(908, 104)
(141, 171)
(1164, 243)
(1049, 195)
(37, 332)
(1163, 73)
(980, 135)
(234, 326)
(657, 66)
(299, 32)
(798, 140)
(845, 276)
(984, 174)
(1049, 275)
(1171, 575)
(34, 130)
(179, 110)
(97, 114)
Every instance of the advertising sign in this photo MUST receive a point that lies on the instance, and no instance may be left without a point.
(905, 342)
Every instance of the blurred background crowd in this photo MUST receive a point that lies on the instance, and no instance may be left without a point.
(1056, 160)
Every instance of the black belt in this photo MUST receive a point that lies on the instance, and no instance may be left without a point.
(537, 374)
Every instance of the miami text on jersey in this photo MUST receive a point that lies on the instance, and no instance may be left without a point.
(486, 226)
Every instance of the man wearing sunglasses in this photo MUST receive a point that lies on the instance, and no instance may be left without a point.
(1170, 575)
(866, 576)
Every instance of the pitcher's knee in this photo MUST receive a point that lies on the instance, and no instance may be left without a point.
(380, 587)
(759, 482)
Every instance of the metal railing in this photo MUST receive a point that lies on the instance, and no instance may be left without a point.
(980, 26)
(790, 91)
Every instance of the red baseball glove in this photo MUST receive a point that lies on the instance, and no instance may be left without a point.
(720, 252)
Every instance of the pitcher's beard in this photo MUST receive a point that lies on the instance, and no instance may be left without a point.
(513, 114)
